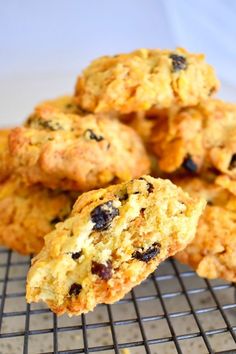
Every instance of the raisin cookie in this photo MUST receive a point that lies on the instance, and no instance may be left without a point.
(73, 152)
(28, 213)
(197, 139)
(144, 79)
(113, 239)
(213, 251)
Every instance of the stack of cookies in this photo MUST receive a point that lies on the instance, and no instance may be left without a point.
(78, 171)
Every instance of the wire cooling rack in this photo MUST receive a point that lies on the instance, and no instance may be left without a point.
(173, 311)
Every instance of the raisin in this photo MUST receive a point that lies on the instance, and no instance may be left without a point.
(76, 255)
(209, 202)
(36, 122)
(123, 197)
(55, 220)
(150, 187)
(232, 163)
(147, 255)
(142, 212)
(75, 289)
(103, 215)
(92, 136)
(189, 164)
(178, 62)
(104, 271)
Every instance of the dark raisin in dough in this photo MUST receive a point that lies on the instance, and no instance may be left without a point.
(46, 124)
(232, 163)
(92, 136)
(76, 255)
(123, 197)
(104, 271)
(142, 212)
(103, 215)
(147, 255)
(189, 164)
(178, 62)
(55, 220)
(75, 289)
(150, 187)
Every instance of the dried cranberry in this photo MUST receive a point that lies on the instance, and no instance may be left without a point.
(76, 255)
(189, 164)
(147, 255)
(104, 271)
(75, 289)
(103, 215)
(92, 136)
(178, 62)
(232, 163)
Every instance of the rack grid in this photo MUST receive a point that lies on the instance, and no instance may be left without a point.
(173, 311)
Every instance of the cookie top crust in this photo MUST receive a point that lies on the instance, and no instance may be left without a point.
(197, 139)
(143, 79)
(74, 152)
(5, 162)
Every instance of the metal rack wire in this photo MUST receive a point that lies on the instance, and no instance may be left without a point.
(173, 311)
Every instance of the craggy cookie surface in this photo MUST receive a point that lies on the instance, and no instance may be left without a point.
(5, 163)
(69, 151)
(114, 238)
(213, 251)
(145, 78)
(28, 213)
(197, 138)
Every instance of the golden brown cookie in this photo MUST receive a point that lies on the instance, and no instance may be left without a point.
(28, 213)
(64, 104)
(69, 151)
(143, 79)
(5, 164)
(213, 251)
(197, 139)
(113, 240)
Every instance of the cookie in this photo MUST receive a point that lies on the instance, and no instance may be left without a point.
(113, 239)
(212, 253)
(61, 104)
(140, 122)
(143, 79)
(197, 139)
(226, 183)
(5, 165)
(73, 152)
(28, 213)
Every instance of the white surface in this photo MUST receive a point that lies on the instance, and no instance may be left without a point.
(45, 44)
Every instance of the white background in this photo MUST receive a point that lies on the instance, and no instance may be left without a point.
(45, 44)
